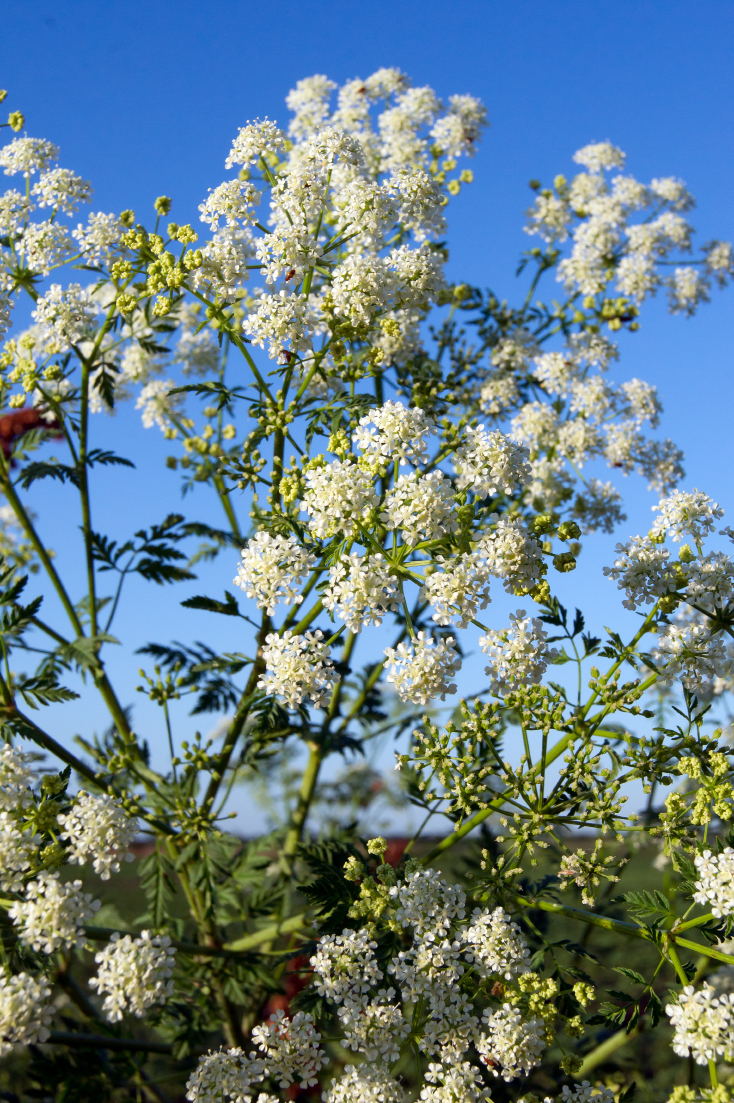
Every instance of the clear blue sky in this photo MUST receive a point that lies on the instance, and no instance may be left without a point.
(144, 98)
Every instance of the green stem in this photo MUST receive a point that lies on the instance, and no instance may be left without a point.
(305, 796)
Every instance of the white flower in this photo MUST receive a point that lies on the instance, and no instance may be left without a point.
(421, 203)
(198, 353)
(134, 974)
(62, 190)
(672, 191)
(52, 915)
(45, 245)
(511, 1047)
(25, 1011)
(361, 591)
(16, 777)
(309, 100)
(366, 207)
(97, 828)
(297, 667)
(454, 1082)
(281, 319)
(549, 217)
(693, 654)
(100, 239)
(68, 315)
(395, 432)
(512, 554)
(498, 394)
(584, 1093)
(377, 1029)
(687, 289)
(421, 670)
(458, 131)
(421, 506)
(291, 1049)
(704, 1024)
(27, 155)
(14, 211)
(556, 372)
(345, 966)
(430, 967)
(362, 287)
(599, 156)
(338, 497)
(252, 141)
(17, 850)
(490, 463)
(687, 513)
(459, 590)
(495, 945)
(536, 425)
(418, 276)
(366, 1083)
(157, 404)
(719, 260)
(225, 1075)
(519, 655)
(642, 569)
(715, 882)
(232, 201)
(224, 263)
(271, 570)
(426, 902)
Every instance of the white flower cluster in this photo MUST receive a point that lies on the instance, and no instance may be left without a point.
(394, 432)
(422, 669)
(297, 667)
(67, 315)
(512, 554)
(685, 513)
(339, 496)
(25, 1011)
(17, 851)
(715, 882)
(98, 829)
(16, 777)
(52, 915)
(519, 655)
(459, 591)
(704, 1024)
(490, 463)
(421, 507)
(496, 945)
(512, 1046)
(271, 570)
(133, 974)
(361, 591)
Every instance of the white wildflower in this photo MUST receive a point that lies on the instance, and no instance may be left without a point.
(490, 463)
(519, 655)
(421, 203)
(600, 155)
(133, 974)
(27, 155)
(672, 191)
(703, 1023)
(495, 945)
(157, 404)
(345, 966)
(715, 882)
(309, 101)
(45, 245)
(224, 263)
(377, 1029)
(454, 1082)
(512, 1047)
(272, 569)
(290, 1049)
(598, 507)
(498, 394)
(687, 513)
(362, 287)
(233, 201)
(512, 554)
(281, 319)
(17, 851)
(421, 506)
(457, 591)
(687, 289)
(25, 1011)
(297, 667)
(224, 1076)
(253, 141)
(339, 496)
(98, 829)
(100, 239)
(422, 669)
(694, 655)
(52, 915)
(365, 1083)
(395, 432)
(361, 591)
(67, 314)
(643, 570)
(61, 189)
(426, 902)
(16, 777)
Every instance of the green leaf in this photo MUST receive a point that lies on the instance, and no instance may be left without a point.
(631, 974)
(32, 472)
(228, 608)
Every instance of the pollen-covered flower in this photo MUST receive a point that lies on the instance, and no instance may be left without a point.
(99, 830)
(25, 1011)
(297, 667)
(133, 974)
(52, 915)
(272, 569)
(421, 670)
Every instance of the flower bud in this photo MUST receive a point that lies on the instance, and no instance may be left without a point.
(162, 204)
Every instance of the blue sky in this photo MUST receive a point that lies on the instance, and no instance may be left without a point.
(144, 98)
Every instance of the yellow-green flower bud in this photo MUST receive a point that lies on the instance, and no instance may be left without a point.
(127, 218)
(564, 562)
(126, 303)
(162, 204)
(568, 530)
(377, 846)
(16, 120)
(161, 307)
